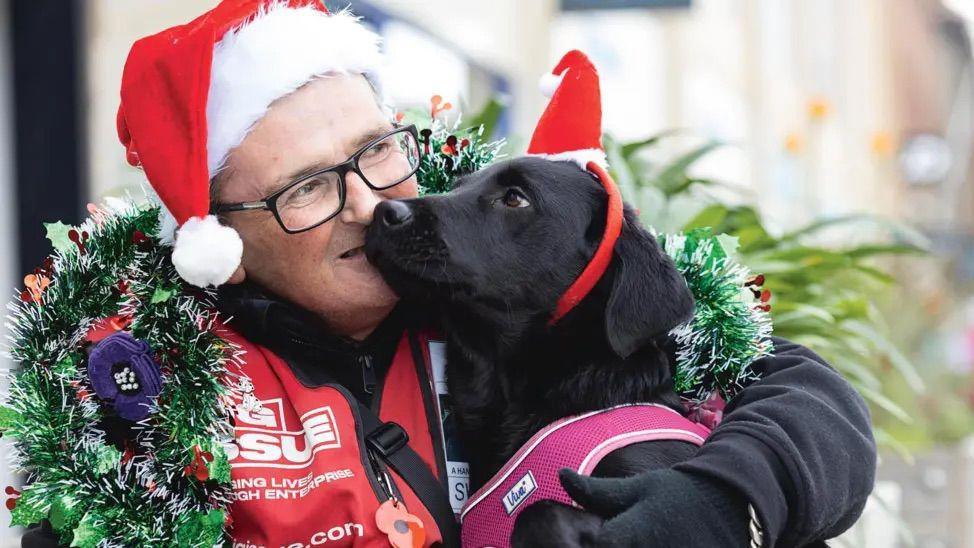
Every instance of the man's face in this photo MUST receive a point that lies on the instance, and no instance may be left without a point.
(323, 269)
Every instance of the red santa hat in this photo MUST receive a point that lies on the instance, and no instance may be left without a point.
(571, 130)
(191, 93)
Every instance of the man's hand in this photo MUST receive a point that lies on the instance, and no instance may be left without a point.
(657, 508)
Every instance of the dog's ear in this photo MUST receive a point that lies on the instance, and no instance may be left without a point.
(649, 295)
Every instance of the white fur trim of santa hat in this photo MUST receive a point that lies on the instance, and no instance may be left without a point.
(277, 52)
(206, 253)
(580, 157)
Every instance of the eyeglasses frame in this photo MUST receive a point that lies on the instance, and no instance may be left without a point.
(351, 164)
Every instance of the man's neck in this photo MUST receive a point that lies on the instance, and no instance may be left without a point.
(362, 334)
(358, 328)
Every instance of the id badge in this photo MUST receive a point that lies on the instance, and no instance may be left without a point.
(457, 464)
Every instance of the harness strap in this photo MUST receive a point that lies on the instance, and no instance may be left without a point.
(578, 443)
(393, 448)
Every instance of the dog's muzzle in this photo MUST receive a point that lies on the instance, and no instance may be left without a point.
(402, 238)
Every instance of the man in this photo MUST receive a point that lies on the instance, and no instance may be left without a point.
(269, 115)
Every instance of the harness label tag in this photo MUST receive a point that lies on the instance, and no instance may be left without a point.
(520, 492)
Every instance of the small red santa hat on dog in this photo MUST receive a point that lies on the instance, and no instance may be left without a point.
(191, 93)
(571, 130)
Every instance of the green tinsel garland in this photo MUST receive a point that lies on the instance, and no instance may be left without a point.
(450, 152)
(93, 491)
(731, 326)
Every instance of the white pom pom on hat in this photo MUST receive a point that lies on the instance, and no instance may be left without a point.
(549, 83)
(206, 253)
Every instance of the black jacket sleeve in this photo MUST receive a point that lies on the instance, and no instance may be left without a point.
(39, 536)
(798, 445)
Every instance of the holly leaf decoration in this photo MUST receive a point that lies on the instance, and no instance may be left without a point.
(64, 513)
(66, 366)
(729, 244)
(201, 529)
(30, 508)
(161, 295)
(87, 534)
(220, 467)
(57, 233)
(8, 418)
(108, 459)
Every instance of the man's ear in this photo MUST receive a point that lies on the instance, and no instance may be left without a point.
(649, 296)
(238, 276)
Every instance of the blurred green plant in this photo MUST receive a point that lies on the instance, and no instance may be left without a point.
(823, 297)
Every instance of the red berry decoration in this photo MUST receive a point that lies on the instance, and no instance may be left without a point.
(79, 240)
(14, 495)
(198, 468)
(450, 148)
(46, 268)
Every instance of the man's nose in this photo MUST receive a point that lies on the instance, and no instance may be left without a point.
(393, 213)
(360, 200)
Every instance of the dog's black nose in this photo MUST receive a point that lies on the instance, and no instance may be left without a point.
(393, 213)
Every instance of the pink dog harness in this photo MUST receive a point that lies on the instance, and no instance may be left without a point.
(578, 443)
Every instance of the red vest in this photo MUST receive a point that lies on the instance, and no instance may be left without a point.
(301, 474)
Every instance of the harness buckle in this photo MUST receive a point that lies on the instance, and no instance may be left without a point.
(387, 439)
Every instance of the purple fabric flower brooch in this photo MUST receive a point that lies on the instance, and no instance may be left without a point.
(122, 371)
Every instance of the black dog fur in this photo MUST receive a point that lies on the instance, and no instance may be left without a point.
(494, 255)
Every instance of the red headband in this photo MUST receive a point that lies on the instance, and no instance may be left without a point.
(599, 262)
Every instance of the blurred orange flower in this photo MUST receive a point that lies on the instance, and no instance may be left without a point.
(794, 143)
(881, 143)
(437, 105)
(819, 108)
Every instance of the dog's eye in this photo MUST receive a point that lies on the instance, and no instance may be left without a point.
(515, 198)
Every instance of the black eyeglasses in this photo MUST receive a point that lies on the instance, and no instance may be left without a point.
(315, 199)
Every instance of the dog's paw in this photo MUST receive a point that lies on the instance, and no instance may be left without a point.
(549, 523)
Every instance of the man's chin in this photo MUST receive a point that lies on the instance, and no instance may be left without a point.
(359, 302)
(364, 280)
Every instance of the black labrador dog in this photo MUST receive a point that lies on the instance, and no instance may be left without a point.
(494, 255)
